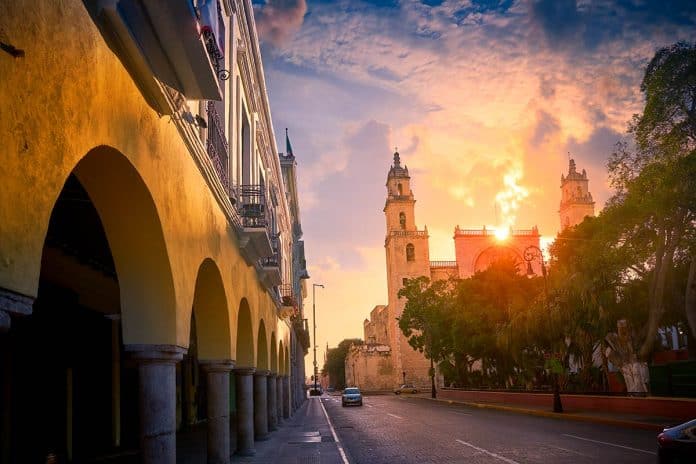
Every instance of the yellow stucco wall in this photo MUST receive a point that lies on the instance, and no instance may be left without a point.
(69, 98)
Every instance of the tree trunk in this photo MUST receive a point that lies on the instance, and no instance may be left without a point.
(664, 259)
(690, 298)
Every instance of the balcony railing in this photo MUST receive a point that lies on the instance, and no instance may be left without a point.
(251, 206)
(217, 147)
(438, 264)
(287, 296)
(409, 233)
(274, 259)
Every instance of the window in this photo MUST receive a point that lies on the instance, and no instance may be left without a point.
(410, 252)
(402, 220)
(400, 189)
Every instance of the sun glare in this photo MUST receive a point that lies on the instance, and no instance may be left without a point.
(502, 233)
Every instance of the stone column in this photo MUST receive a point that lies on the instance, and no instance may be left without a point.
(279, 398)
(157, 400)
(261, 405)
(218, 410)
(245, 410)
(286, 399)
(272, 401)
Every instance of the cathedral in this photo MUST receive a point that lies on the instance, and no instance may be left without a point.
(386, 359)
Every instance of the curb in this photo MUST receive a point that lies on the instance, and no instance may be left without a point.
(567, 416)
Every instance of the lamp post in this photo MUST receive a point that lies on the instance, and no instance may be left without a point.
(531, 253)
(314, 334)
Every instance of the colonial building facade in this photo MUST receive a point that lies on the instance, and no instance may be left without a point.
(151, 262)
(386, 359)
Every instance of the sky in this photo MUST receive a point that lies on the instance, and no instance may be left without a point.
(484, 99)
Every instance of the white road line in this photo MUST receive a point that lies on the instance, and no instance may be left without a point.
(460, 413)
(394, 415)
(497, 456)
(610, 444)
(333, 432)
(566, 450)
(369, 406)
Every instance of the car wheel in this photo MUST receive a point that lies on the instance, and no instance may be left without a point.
(343, 404)
(360, 404)
(415, 391)
(398, 393)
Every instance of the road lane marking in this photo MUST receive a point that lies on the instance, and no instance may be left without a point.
(460, 413)
(566, 450)
(333, 432)
(610, 444)
(369, 406)
(394, 415)
(497, 456)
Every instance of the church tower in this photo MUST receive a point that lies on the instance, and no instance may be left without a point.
(576, 199)
(407, 253)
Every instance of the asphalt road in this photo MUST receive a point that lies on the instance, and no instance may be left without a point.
(392, 429)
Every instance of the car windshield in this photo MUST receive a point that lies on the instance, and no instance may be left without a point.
(351, 391)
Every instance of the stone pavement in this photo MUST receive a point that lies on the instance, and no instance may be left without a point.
(305, 438)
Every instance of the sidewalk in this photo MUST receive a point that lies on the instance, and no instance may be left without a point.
(305, 438)
(636, 421)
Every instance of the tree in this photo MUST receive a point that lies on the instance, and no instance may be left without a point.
(424, 320)
(654, 200)
(335, 362)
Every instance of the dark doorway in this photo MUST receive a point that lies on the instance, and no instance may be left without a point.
(71, 394)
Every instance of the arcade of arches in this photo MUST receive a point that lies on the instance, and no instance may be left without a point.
(131, 314)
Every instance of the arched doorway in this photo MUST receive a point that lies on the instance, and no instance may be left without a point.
(72, 391)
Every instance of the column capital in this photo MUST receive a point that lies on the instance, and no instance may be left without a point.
(262, 373)
(216, 365)
(156, 353)
(15, 303)
(244, 370)
(272, 374)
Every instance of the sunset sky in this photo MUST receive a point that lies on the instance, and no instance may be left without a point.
(483, 98)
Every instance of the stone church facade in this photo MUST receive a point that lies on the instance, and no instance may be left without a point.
(386, 359)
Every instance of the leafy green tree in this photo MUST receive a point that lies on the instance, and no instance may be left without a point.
(425, 316)
(335, 364)
(654, 205)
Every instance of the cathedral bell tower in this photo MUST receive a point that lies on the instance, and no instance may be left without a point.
(576, 199)
(407, 257)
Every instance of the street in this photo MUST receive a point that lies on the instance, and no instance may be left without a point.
(392, 429)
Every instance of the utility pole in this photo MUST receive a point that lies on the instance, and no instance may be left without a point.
(314, 335)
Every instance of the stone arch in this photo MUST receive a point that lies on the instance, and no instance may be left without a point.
(245, 336)
(134, 232)
(274, 353)
(211, 313)
(262, 348)
(495, 253)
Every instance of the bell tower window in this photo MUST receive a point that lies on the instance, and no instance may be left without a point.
(400, 189)
(402, 220)
(410, 252)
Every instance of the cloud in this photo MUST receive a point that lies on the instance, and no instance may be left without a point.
(278, 20)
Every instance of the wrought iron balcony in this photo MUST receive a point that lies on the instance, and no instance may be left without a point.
(164, 40)
(271, 264)
(254, 239)
(251, 206)
(302, 332)
(287, 295)
(216, 145)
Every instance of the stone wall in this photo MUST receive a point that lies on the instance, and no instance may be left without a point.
(370, 367)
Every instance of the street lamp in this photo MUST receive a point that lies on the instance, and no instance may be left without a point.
(531, 253)
(314, 335)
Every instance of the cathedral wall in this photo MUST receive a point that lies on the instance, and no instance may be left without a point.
(442, 273)
(370, 367)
